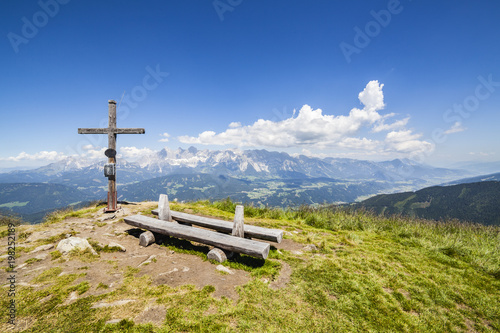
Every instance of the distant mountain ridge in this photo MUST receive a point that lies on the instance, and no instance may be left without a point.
(483, 178)
(258, 176)
(31, 200)
(474, 202)
(237, 163)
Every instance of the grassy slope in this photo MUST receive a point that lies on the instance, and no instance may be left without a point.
(368, 274)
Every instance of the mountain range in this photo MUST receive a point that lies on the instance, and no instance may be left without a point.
(257, 176)
(477, 202)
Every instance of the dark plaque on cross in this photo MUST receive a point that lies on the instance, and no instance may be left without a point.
(111, 131)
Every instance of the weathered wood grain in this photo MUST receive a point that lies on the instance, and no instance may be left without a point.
(273, 235)
(217, 255)
(239, 224)
(146, 238)
(227, 242)
(164, 208)
(111, 130)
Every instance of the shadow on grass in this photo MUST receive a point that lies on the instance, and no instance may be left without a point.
(182, 245)
(237, 261)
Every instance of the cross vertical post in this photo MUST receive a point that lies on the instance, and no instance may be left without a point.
(112, 194)
(111, 131)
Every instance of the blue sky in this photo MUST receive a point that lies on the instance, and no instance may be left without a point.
(367, 79)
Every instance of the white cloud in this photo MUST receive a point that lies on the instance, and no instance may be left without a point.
(359, 144)
(381, 126)
(164, 138)
(40, 156)
(482, 153)
(94, 153)
(133, 153)
(90, 147)
(455, 128)
(311, 129)
(404, 141)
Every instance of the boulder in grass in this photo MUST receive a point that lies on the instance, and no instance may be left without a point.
(74, 243)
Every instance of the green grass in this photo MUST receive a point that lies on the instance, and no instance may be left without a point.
(60, 215)
(106, 248)
(55, 255)
(368, 274)
(32, 260)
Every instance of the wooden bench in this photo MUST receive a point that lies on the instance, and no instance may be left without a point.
(273, 235)
(219, 238)
(227, 242)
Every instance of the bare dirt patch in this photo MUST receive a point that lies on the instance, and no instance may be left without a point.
(105, 273)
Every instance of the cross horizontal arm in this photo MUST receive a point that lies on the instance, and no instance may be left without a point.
(111, 131)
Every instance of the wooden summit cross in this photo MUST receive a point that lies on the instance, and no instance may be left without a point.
(111, 131)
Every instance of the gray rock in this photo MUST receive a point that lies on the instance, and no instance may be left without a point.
(116, 303)
(41, 256)
(224, 269)
(107, 218)
(121, 247)
(147, 261)
(43, 248)
(72, 243)
(310, 247)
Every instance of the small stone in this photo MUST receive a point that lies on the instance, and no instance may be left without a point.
(297, 252)
(41, 256)
(22, 266)
(107, 218)
(169, 272)
(71, 298)
(121, 247)
(106, 305)
(43, 248)
(113, 321)
(310, 247)
(224, 269)
(185, 269)
(147, 261)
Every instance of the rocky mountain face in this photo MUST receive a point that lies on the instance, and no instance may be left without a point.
(237, 163)
(258, 176)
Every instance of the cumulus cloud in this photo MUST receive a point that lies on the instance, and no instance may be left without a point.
(94, 153)
(455, 128)
(134, 153)
(164, 138)
(382, 126)
(309, 127)
(405, 141)
(51, 156)
(313, 129)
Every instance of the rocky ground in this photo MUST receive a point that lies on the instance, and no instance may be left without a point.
(164, 265)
